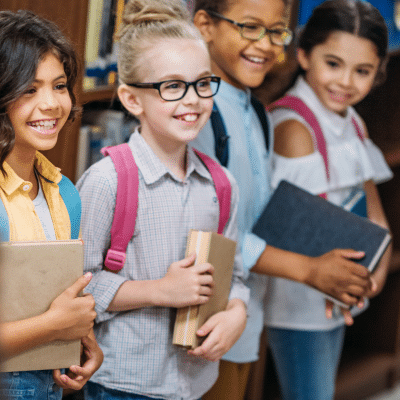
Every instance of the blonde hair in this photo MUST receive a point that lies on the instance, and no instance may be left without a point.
(145, 23)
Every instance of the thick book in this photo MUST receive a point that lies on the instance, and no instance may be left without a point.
(298, 221)
(32, 275)
(220, 253)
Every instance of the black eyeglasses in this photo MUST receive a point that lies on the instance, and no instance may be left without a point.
(175, 89)
(250, 31)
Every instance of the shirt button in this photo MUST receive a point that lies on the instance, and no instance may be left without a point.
(25, 188)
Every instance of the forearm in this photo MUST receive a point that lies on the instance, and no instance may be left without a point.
(132, 295)
(20, 336)
(283, 264)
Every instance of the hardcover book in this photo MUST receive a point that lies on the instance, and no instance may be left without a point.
(298, 221)
(32, 275)
(220, 253)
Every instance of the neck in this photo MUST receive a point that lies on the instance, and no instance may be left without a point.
(171, 154)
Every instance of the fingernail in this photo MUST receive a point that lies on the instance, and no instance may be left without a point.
(88, 275)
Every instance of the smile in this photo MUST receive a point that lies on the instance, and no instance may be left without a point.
(255, 60)
(190, 117)
(43, 125)
(340, 97)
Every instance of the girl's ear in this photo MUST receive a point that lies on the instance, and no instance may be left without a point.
(303, 59)
(204, 24)
(130, 99)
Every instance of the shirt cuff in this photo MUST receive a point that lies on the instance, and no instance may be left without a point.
(252, 248)
(103, 286)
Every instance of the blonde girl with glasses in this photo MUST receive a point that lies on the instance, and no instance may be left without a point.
(167, 83)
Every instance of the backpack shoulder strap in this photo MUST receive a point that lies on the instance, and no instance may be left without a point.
(125, 213)
(72, 201)
(261, 113)
(4, 224)
(220, 136)
(359, 129)
(222, 187)
(297, 105)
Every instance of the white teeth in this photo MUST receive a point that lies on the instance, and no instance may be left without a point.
(189, 117)
(256, 60)
(43, 125)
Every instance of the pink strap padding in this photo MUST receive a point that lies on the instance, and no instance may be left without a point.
(298, 106)
(222, 188)
(359, 130)
(123, 225)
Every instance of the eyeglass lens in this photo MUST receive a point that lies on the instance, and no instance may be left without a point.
(175, 90)
(257, 32)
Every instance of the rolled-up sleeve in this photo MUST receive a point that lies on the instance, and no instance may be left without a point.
(97, 188)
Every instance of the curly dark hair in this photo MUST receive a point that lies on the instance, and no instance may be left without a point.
(218, 6)
(25, 39)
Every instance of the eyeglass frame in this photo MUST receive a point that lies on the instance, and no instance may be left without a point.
(267, 31)
(157, 85)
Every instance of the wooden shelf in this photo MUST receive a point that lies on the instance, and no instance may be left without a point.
(102, 93)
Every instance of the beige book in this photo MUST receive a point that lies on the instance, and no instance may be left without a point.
(220, 253)
(32, 275)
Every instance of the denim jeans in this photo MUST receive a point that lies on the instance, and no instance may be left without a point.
(29, 385)
(94, 391)
(306, 362)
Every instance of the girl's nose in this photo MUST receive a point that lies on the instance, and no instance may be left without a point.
(346, 78)
(48, 101)
(191, 96)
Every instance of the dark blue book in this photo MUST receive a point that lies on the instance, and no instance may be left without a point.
(298, 221)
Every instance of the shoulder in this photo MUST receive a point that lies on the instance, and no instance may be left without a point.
(292, 139)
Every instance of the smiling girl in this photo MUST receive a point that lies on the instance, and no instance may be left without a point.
(166, 82)
(342, 52)
(37, 75)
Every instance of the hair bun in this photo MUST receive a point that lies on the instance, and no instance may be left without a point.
(139, 12)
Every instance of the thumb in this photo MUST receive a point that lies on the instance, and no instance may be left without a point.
(80, 284)
(188, 261)
(349, 253)
(207, 327)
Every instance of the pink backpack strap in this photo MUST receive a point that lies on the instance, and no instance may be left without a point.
(359, 129)
(297, 105)
(123, 225)
(222, 187)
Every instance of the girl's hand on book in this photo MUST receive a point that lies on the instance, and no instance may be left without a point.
(72, 316)
(223, 330)
(335, 274)
(77, 376)
(186, 284)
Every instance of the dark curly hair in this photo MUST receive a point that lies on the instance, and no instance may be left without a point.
(25, 39)
(218, 6)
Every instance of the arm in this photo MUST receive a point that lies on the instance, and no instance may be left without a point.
(333, 273)
(69, 318)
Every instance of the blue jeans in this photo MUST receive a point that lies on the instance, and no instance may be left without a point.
(306, 362)
(29, 385)
(94, 391)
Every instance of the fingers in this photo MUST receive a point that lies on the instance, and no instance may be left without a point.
(79, 285)
(187, 262)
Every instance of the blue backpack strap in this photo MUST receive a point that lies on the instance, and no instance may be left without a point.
(72, 201)
(220, 136)
(4, 224)
(259, 108)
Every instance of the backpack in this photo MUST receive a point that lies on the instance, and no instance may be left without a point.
(72, 201)
(221, 137)
(126, 205)
(300, 107)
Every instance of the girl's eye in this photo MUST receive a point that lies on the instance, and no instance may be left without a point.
(61, 86)
(332, 64)
(29, 91)
(364, 72)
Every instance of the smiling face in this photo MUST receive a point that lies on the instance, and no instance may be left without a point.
(241, 62)
(341, 70)
(39, 114)
(169, 125)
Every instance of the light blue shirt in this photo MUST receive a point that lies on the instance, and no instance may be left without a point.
(249, 164)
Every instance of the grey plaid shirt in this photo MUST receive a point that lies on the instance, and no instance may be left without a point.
(138, 353)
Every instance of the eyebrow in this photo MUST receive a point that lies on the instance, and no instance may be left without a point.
(255, 20)
(180, 78)
(62, 76)
(332, 56)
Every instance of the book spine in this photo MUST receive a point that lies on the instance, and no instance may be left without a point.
(186, 323)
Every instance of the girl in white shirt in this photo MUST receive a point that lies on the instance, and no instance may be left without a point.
(342, 52)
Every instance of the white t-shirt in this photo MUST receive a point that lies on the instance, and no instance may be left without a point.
(352, 162)
(43, 212)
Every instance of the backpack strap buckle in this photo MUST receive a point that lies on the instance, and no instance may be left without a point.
(115, 260)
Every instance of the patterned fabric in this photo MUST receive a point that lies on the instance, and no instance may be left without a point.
(137, 345)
